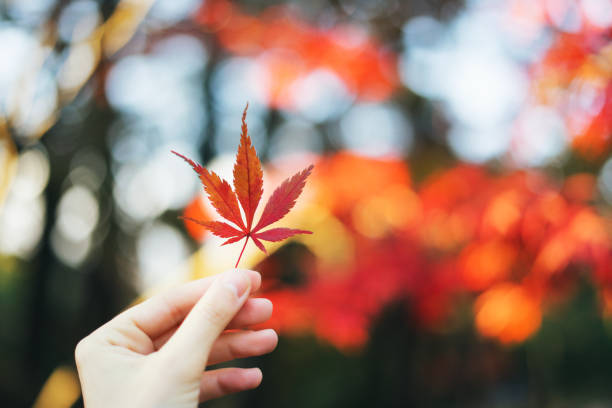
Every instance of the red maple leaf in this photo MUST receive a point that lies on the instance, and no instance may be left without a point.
(248, 189)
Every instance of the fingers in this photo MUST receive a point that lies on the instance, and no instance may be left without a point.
(207, 319)
(233, 345)
(254, 311)
(224, 381)
(162, 312)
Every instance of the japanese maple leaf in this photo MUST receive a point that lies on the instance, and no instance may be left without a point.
(247, 192)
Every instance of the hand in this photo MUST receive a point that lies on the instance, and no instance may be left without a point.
(155, 353)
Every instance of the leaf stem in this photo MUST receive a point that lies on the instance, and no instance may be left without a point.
(241, 252)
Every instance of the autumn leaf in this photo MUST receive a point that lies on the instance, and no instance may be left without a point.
(283, 199)
(248, 177)
(247, 192)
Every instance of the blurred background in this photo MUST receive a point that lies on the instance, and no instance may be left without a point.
(460, 203)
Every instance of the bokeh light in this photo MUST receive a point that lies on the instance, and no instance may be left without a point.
(460, 200)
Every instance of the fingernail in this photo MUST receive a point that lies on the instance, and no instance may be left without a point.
(237, 281)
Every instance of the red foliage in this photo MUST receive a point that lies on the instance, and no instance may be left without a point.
(512, 242)
(196, 209)
(289, 48)
(508, 240)
(575, 77)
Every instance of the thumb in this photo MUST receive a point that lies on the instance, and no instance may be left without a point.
(211, 314)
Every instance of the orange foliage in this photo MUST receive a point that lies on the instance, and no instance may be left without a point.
(546, 214)
(507, 312)
(450, 209)
(346, 179)
(288, 49)
(505, 238)
(575, 77)
(196, 209)
(487, 262)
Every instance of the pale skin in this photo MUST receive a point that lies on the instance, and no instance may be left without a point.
(156, 353)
